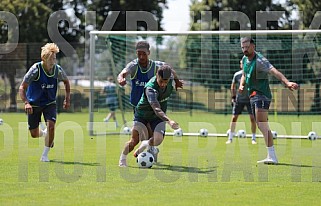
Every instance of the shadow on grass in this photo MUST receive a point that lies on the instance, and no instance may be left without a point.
(294, 165)
(179, 168)
(75, 163)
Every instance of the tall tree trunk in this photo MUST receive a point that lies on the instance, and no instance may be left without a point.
(13, 93)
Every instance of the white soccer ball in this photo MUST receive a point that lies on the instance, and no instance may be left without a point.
(312, 135)
(203, 132)
(241, 133)
(1, 121)
(178, 132)
(127, 130)
(145, 160)
(274, 134)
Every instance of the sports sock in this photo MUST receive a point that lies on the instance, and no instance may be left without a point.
(143, 145)
(45, 151)
(271, 152)
(123, 157)
(230, 135)
(253, 136)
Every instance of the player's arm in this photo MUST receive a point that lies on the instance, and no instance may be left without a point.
(152, 99)
(22, 92)
(128, 70)
(66, 104)
(30, 76)
(277, 74)
(64, 78)
(242, 83)
(122, 77)
(178, 83)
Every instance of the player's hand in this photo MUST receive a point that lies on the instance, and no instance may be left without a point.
(173, 124)
(232, 102)
(292, 86)
(121, 81)
(241, 89)
(66, 104)
(28, 109)
(178, 83)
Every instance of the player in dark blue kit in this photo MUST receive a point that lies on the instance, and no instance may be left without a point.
(38, 91)
(141, 70)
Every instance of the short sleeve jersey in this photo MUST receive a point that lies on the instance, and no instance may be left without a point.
(140, 76)
(256, 74)
(240, 97)
(42, 89)
(144, 109)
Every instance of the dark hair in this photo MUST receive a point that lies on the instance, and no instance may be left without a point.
(142, 45)
(165, 71)
(247, 39)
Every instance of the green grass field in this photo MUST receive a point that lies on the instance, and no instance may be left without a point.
(191, 170)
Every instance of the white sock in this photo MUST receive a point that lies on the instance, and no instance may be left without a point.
(231, 135)
(123, 157)
(144, 144)
(253, 136)
(271, 152)
(44, 132)
(45, 151)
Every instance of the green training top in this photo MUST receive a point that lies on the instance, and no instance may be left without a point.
(256, 74)
(144, 109)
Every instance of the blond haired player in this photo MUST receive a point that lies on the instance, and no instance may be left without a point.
(38, 91)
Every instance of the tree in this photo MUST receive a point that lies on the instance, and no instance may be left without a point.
(33, 17)
(310, 16)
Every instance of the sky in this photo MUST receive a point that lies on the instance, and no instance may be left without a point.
(176, 17)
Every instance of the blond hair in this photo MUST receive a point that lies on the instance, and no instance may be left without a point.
(48, 49)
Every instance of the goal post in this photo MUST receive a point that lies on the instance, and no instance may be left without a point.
(206, 61)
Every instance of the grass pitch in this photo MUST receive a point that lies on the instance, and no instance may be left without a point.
(191, 170)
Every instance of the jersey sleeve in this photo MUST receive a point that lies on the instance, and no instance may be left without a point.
(234, 78)
(32, 74)
(131, 67)
(62, 74)
(263, 64)
(151, 95)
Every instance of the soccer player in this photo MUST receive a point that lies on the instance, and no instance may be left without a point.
(38, 92)
(141, 70)
(239, 101)
(111, 100)
(152, 106)
(256, 69)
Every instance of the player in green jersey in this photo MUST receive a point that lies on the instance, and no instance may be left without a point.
(256, 69)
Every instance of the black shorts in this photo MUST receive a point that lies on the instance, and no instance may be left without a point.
(239, 106)
(49, 113)
(157, 125)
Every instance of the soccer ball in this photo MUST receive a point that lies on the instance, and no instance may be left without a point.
(312, 135)
(127, 130)
(1, 121)
(203, 132)
(241, 133)
(145, 160)
(178, 132)
(274, 134)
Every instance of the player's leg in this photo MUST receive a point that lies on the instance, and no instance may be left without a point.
(153, 149)
(236, 111)
(50, 115)
(158, 127)
(33, 121)
(139, 130)
(253, 122)
(261, 115)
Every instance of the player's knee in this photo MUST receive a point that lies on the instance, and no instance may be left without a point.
(34, 134)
